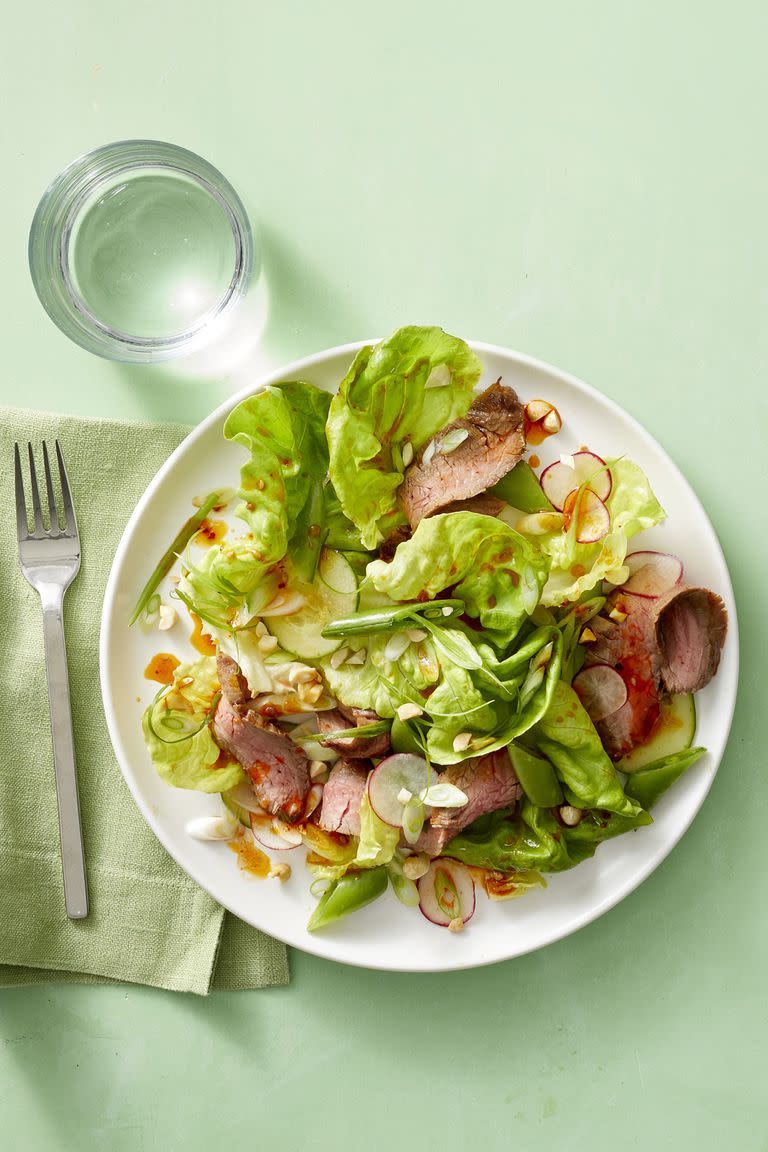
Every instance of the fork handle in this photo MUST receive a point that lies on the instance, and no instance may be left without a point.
(70, 832)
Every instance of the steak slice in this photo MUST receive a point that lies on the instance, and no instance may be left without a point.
(483, 503)
(671, 643)
(489, 782)
(231, 680)
(278, 768)
(689, 632)
(494, 444)
(342, 796)
(628, 647)
(389, 546)
(352, 747)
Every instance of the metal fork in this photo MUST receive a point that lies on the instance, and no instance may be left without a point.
(50, 561)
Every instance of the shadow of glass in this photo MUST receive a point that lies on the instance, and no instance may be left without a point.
(291, 311)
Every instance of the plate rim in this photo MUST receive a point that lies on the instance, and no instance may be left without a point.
(291, 369)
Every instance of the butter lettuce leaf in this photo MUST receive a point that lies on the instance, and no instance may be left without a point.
(567, 737)
(378, 841)
(284, 489)
(496, 571)
(189, 762)
(536, 840)
(495, 723)
(230, 584)
(404, 389)
(632, 507)
(380, 683)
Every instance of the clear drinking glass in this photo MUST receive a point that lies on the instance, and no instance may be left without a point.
(140, 250)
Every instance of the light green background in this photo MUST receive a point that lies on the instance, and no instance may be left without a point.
(582, 181)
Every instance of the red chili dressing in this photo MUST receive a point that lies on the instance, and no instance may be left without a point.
(161, 668)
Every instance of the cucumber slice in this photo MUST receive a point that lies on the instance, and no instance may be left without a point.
(332, 594)
(238, 812)
(673, 733)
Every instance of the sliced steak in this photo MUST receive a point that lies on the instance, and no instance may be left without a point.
(490, 783)
(494, 444)
(671, 643)
(353, 747)
(484, 503)
(342, 796)
(278, 768)
(689, 631)
(628, 647)
(233, 684)
(389, 547)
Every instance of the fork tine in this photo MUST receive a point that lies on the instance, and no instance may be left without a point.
(69, 508)
(22, 526)
(36, 510)
(54, 512)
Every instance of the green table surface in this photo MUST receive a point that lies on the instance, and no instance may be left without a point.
(584, 182)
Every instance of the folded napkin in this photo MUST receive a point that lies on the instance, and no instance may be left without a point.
(148, 923)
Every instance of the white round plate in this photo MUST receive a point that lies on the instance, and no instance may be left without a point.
(386, 934)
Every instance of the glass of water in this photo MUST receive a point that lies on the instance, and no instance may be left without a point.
(140, 251)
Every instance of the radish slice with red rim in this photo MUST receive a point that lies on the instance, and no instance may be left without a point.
(265, 831)
(447, 892)
(651, 574)
(594, 519)
(601, 690)
(391, 779)
(560, 479)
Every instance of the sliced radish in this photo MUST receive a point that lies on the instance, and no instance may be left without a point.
(447, 892)
(392, 779)
(560, 479)
(594, 518)
(651, 574)
(265, 830)
(601, 690)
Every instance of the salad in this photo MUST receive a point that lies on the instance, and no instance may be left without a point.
(420, 656)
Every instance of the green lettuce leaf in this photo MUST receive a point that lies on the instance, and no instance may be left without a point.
(379, 683)
(567, 737)
(285, 495)
(536, 840)
(632, 507)
(389, 397)
(496, 571)
(650, 783)
(231, 583)
(497, 723)
(190, 762)
(378, 840)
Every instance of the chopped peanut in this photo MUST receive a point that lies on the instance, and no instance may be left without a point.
(552, 422)
(571, 816)
(338, 657)
(409, 711)
(462, 741)
(456, 925)
(318, 771)
(414, 867)
(281, 872)
(167, 618)
(416, 635)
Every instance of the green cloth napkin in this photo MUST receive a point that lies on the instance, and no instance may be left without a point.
(148, 923)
